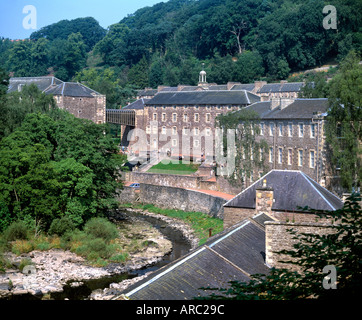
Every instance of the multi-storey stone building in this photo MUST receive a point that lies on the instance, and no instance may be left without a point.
(76, 98)
(294, 132)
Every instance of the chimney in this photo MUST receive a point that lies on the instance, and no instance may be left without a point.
(231, 84)
(264, 198)
(159, 88)
(285, 102)
(274, 103)
(258, 85)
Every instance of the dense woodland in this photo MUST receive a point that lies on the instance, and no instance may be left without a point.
(238, 40)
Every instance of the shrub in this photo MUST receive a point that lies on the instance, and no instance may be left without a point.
(16, 231)
(22, 246)
(61, 226)
(25, 262)
(101, 228)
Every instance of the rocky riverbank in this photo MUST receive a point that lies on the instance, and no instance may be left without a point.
(51, 270)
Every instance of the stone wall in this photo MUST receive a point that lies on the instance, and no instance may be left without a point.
(128, 195)
(182, 199)
(278, 238)
(167, 180)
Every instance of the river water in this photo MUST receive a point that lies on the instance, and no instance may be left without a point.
(180, 247)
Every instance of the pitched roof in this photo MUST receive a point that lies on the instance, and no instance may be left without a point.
(233, 254)
(42, 83)
(137, 105)
(204, 98)
(281, 87)
(292, 189)
(299, 109)
(72, 89)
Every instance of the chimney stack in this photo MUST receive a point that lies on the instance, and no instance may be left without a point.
(264, 199)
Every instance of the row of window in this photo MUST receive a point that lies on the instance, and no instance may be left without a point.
(185, 117)
(290, 157)
(289, 127)
(185, 130)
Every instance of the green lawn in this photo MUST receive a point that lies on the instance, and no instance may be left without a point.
(174, 168)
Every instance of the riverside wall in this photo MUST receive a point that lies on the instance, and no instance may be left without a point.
(174, 198)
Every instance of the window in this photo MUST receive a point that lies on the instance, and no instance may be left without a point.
(290, 157)
(148, 129)
(271, 154)
(184, 131)
(262, 129)
(154, 129)
(312, 130)
(300, 158)
(261, 152)
(174, 142)
(174, 131)
(196, 117)
(196, 143)
(163, 116)
(208, 131)
(280, 155)
(280, 129)
(163, 130)
(196, 131)
(290, 129)
(154, 117)
(311, 159)
(185, 117)
(271, 129)
(174, 117)
(301, 130)
(208, 117)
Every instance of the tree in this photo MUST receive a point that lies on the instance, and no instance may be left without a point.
(341, 248)
(249, 154)
(343, 123)
(54, 165)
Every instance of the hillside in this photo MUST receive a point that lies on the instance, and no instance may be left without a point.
(238, 40)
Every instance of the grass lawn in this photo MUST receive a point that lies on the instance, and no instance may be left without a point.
(174, 168)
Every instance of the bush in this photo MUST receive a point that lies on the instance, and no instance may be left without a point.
(101, 228)
(25, 262)
(61, 226)
(16, 231)
(96, 248)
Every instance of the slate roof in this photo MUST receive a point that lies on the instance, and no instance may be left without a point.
(204, 98)
(299, 109)
(72, 89)
(137, 105)
(281, 87)
(292, 189)
(233, 254)
(42, 83)
(147, 92)
(247, 87)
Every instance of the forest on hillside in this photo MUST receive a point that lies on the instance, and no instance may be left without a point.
(166, 44)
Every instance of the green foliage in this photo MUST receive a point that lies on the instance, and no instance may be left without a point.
(53, 164)
(25, 262)
(17, 230)
(61, 226)
(245, 124)
(341, 248)
(343, 126)
(101, 228)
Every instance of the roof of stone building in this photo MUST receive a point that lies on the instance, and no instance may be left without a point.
(42, 83)
(299, 109)
(247, 87)
(72, 89)
(146, 92)
(204, 98)
(281, 87)
(233, 254)
(292, 190)
(136, 105)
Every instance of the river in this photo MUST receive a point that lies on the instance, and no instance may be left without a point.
(180, 246)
